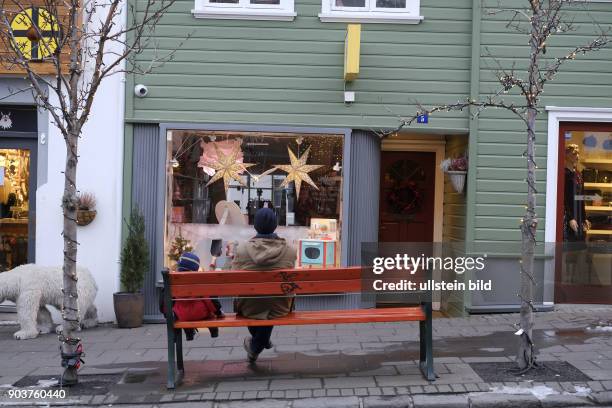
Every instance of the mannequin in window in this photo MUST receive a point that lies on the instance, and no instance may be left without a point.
(575, 223)
(574, 215)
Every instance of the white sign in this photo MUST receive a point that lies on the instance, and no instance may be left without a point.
(594, 197)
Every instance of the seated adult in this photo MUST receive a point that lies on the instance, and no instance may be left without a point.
(264, 252)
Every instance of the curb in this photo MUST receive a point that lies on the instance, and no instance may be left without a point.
(472, 400)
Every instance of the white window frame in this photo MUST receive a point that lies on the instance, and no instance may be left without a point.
(370, 13)
(244, 10)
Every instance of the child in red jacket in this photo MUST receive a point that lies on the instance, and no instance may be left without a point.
(195, 309)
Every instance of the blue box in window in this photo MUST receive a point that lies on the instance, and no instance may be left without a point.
(317, 252)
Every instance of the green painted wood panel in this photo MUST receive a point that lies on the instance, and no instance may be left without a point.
(585, 82)
(290, 73)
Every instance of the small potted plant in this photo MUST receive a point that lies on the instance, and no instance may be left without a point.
(86, 211)
(457, 170)
(129, 304)
(179, 246)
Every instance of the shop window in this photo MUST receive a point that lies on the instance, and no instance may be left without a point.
(586, 210)
(245, 9)
(372, 11)
(14, 207)
(216, 181)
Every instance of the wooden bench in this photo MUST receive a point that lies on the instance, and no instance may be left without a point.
(286, 282)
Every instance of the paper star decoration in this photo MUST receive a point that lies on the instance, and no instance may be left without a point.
(298, 170)
(227, 167)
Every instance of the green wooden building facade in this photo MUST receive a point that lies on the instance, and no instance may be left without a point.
(282, 72)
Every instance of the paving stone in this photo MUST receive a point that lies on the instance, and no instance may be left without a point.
(242, 386)
(291, 394)
(318, 393)
(458, 388)
(295, 384)
(194, 397)
(305, 394)
(264, 394)
(164, 398)
(333, 393)
(603, 398)
(430, 388)
(416, 389)
(347, 392)
(444, 388)
(278, 394)
(400, 380)
(490, 400)
(333, 402)
(374, 391)
(222, 396)
(402, 401)
(349, 382)
(361, 391)
(250, 395)
(266, 403)
(471, 387)
(440, 401)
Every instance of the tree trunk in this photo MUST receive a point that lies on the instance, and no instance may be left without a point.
(70, 309)
(526, 351)
(525, 358)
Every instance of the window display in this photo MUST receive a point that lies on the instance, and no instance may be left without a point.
(218, 180)
(14, 207)
(587, 207)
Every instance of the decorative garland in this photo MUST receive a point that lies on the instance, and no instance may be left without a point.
(405, 198)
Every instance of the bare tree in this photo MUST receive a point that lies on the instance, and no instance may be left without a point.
(65, 49)
(539, 21)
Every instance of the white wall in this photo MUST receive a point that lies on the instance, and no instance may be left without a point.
(100, 170)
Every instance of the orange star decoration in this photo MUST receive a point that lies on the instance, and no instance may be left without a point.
(227, 167)
(298, 170)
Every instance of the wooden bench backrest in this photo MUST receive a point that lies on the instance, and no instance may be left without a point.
(257, 283)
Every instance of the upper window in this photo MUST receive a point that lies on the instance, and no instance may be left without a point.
(371, 11)
(245, 9)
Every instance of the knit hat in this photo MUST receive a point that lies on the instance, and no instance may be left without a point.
(188, 262)
(265, 221)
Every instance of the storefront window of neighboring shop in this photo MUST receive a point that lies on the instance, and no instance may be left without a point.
(14, 208)
(587, 206)
(216, 181)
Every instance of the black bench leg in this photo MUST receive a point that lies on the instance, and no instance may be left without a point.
(171, 359)
(426, 345)
(179, 355)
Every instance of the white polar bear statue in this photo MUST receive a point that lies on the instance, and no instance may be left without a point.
(32, 287)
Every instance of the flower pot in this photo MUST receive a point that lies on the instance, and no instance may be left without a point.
(129, 309)
(85, 217)
(457, 180)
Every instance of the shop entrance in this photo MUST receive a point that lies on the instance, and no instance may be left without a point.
(407, 196)
(583, 272)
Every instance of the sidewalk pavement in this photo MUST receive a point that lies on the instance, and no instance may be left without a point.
(366, 365)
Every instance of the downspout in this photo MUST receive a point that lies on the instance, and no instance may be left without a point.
(473, 136)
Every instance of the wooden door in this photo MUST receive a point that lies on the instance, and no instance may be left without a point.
(583, 273)
(407, 193)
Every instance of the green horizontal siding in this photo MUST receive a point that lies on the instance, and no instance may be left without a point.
(584, 82)
(290, 73)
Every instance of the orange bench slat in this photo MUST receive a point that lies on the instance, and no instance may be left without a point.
(278, 275)
(315, 317)
(265, 288)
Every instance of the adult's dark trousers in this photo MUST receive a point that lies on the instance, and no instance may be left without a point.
(261, 337)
